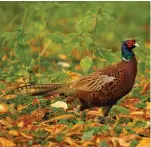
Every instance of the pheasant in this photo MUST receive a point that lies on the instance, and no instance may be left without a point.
(101, 88)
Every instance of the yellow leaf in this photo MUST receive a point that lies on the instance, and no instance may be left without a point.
(148, 105)
(5, 123)
(76, 127)
(137, 114)
(71, 142)
(20, 107)
(6, 143)
(13, 132)
(26, 136)
(66, 116)
(54, 129)
(62, 56)
(144, 143)
(3, 108)
(20, 124)
(96, 113)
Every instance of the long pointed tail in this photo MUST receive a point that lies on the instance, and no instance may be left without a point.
(37, 89)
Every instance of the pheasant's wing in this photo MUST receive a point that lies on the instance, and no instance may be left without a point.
(93, 82)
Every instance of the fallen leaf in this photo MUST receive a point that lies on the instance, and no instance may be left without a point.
(95, 113)
(145, 142)
(55, 129)
(71, 142)
(148, 105)
(20, 124)
(6, 143)
(26, 136)
(146, 88)
(63, 56)
(76, 127)
(3, 108)
(5, 123)
(88, 143)
(21, 107)
(137, 114)
(13, 132)
(66, 116)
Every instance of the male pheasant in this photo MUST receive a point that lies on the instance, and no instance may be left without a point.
(101, 88)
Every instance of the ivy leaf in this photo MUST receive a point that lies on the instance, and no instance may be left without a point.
(103, 144)
(118, 128)
(86, 64)
(121, 109)
(59, 137)
(134, 143)
(141, 105)
(56, 38)
(130, 130)
(87, 135)
(140, 124)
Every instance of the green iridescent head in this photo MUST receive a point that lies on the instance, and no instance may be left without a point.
(127, 48)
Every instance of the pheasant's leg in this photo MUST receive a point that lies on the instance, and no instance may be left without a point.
(106, 110)
(85, 105)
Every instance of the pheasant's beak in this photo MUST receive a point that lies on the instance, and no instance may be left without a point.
(135, 44)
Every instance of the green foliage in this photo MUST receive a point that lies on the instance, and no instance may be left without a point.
(118, 128)
(103, 144)
(134, 143)
(123, 120)
(59, 137)
(56, 38)
(119, 109)
(140, 105)
(87, 135)
(130, 130)
(86, 64)
(140, 124)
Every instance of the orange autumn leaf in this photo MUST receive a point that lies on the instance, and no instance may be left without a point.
(137, 114)
(13, 132)
(6, 143)
(54, 129)
(26, 136)
(76, 127)
(63, 56)
(65, 116)
(144, 143)
(71, 142)
(146, 88)
(21, 107)
(3, 108)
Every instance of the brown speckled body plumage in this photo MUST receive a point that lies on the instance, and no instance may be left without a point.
(124, 73)
(101, 88)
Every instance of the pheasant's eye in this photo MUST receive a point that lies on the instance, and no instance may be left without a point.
(130, 43)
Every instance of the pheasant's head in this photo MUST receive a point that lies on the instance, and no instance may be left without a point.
(130, 44)
(127, 47)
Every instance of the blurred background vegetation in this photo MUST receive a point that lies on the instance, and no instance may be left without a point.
(47, 39)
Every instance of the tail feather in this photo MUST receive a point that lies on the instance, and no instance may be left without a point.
(37, 89)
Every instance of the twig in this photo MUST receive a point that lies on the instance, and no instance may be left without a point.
(39, 57)
(94, 37)
(45, 48)
(25, 14)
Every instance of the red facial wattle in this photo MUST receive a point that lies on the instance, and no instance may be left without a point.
(130, 43)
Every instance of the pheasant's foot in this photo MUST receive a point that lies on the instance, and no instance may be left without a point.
(106, 119)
